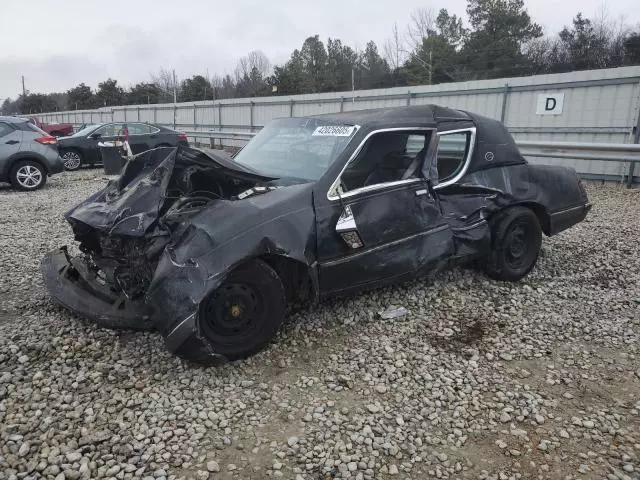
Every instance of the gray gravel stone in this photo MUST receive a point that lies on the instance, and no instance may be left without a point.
(474, 366)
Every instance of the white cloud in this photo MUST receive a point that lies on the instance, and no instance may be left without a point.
(57, 48)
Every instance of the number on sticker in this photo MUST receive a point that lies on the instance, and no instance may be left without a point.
(334, 131)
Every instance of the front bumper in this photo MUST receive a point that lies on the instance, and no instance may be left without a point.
(74, 286)
(77, 288)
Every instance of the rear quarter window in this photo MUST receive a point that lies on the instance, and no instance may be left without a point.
(453, 150)
(141, 129)
(30, 127)
(5, 129)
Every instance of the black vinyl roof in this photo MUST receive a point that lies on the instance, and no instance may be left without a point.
(493, 146)
(419, 115)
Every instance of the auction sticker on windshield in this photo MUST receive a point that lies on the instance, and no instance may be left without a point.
(334, 131)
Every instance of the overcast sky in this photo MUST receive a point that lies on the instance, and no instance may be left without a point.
(56, 48)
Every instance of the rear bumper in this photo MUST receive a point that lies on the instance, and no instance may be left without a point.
(563, 219)
(56, 166)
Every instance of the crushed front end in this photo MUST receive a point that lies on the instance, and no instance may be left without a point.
(124, 229)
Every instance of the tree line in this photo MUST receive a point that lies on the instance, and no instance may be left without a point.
(496, 39)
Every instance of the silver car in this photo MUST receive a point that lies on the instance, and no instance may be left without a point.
(27, 154)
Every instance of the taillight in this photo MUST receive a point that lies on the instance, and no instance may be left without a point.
(182, 136)
(582, 189)
(47, 140)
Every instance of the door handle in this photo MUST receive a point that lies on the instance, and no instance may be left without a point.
(421, 192)
(347, 228)
(11, 142)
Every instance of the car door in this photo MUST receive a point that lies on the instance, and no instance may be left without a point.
(140, 137)
(381, 222)
(106, 133)
(10, 141)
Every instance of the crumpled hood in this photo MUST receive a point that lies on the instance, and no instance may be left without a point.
(131, 204)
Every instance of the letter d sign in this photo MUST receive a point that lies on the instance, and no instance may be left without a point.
(550, 104)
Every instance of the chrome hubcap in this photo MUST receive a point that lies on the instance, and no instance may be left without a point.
(29, 176)
(71, 160)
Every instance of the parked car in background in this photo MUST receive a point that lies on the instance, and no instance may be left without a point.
(55, 129)
(81, 148)
(27, 154)
(211, 250)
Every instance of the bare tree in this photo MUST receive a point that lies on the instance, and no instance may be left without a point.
(254, 62)
(166, 81)
(223, 86)
(610, 36)
(251, 73)
(422, 25)
(394, 50)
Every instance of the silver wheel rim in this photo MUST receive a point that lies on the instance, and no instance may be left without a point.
(71, 160)
(29, 176)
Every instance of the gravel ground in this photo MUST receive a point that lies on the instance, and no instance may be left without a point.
(481, 379)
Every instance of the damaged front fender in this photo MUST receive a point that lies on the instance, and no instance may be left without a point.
(165, 235)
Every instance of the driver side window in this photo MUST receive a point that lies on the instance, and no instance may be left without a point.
(386, 157)
(110, 130)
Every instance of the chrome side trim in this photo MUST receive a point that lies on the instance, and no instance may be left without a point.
(469, 227)
(337, 261)
(332, 193)
(472, 145)
(571, 209)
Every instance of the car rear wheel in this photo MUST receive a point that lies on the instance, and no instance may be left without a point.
(244, 313)
(28, 175)
(71, 160)
(516, 240)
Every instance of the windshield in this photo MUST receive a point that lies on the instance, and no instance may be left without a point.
(86, 130)
(298, 148)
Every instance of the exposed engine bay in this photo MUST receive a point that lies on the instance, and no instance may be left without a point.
(136, 224)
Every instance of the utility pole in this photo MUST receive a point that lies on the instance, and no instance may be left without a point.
(24, 91)
(431, 67)
(175, 85)
(353, 85)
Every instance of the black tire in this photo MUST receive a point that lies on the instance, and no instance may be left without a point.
(72, 159)
(244, 313)
(516, 238)
(27, 175)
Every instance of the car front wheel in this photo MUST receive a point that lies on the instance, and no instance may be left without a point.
(516, 240)
(28, 175)
(71, 160)
(240, 317)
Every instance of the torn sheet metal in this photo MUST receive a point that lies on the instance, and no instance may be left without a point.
(157, 240)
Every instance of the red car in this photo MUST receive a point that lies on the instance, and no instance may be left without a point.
(55, 129)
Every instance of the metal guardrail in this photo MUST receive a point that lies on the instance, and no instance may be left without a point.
(221, 135)
(608, 152)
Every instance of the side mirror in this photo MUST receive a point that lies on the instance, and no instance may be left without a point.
(95, 135)
(348, 230)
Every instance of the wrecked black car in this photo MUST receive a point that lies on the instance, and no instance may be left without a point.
(211, 251)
